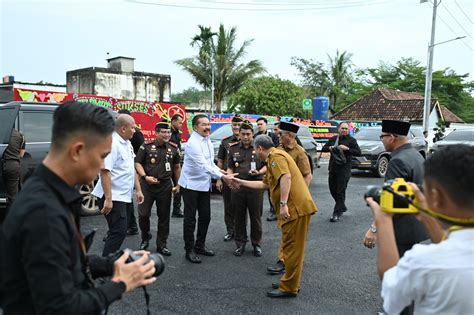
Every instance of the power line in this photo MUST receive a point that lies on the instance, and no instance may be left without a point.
(270, 3)
(467, 17)
(354, 4)
(449, 27)
(456, 20)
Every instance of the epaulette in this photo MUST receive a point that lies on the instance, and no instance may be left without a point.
(233, 143)
(173, 144)
(227, 138)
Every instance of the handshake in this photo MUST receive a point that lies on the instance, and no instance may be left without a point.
(230, 179)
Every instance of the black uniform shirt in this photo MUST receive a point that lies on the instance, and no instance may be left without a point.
(349, 142)
(407, 163)
(176, 137)
(137, 140)
(273, 136)
(41, 269)
(223, 152)
(240, 159)
(17, 143)
(154, 158)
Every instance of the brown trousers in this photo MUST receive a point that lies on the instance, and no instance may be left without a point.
(293, 241)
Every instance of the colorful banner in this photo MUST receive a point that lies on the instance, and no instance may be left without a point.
(146, 114)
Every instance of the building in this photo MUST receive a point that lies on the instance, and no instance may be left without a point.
(397, 105)
(30, 92)
(120, 80)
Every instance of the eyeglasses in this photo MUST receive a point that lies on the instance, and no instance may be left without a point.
(388, 135)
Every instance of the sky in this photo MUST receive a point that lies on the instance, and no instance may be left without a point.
(42, 39)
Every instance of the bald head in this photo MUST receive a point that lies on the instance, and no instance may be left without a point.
(125, 126)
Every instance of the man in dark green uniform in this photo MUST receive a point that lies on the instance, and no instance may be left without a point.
(176, 125)
(243, 160)
(222, 164)
(155, 163)
(11, 165)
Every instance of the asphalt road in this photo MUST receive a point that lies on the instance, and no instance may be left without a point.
(339, 274)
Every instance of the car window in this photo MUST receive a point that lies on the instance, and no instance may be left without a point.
(304, 132)
(7, 121)
(417, 132)
(460, 135)
(36, 126)
(222, 132)
(369, 134)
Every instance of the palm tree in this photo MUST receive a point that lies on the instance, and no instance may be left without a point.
(339, 76)
(220, 54)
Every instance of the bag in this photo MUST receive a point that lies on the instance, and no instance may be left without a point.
(337, 154)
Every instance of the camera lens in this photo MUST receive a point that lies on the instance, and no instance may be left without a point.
(374, 192)
(159, 263)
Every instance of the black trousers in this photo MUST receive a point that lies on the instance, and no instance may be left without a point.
(132, 220)
(11, 178)
(199, 201)
(117, 220)
(176, 201)
(229, 211)
(163, 205)
(251, 200)
(338, 180)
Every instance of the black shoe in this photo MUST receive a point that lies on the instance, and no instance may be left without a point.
(272, 217)
(257, 251)
(239, 250)
(133, 231)
(192, 257)
(228, 237)
(204, 251)
(144, 244)
(280, 294)
(163, 251)
(277, 269)
(276, 286)
(177, 214)
(334, 218)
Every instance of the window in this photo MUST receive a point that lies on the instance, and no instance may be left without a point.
(304, 132)
(368, 134)
(36, 126)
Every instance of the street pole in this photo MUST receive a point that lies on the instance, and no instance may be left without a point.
(429, 72)
(212, 90)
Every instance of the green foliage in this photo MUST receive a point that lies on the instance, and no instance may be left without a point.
(190, 95)
(269, 96)
(218, 51)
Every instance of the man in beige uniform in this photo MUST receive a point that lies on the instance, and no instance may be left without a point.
(294, 204)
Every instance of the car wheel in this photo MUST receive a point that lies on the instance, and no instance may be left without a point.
(381, 167)
(89, 201)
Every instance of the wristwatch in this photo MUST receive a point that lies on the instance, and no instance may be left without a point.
(373, 228)
(283, 203)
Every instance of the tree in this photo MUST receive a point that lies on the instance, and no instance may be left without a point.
(333, 79)
(190, 95)
(217, 51)
(269, 96)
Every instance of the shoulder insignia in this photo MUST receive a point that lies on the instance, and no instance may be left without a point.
(233, 143)
(142, 147)
(227, 138)
(173, 144)
(274, 164)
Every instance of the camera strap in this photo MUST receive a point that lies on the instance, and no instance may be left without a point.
(147, 300)
(83, 253)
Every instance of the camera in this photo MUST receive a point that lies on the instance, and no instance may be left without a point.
(156, 257)
(394, 196)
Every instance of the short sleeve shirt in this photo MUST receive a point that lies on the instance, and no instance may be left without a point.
(224, 148)
(240, 161)
(298, 154)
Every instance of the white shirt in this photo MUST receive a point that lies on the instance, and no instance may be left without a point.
(438, 277)
(120, 163)
(198, 167)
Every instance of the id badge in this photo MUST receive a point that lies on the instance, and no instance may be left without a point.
(253, 166)
(168, 167)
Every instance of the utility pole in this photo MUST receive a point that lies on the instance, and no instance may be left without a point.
(212, 89)
(429, 70)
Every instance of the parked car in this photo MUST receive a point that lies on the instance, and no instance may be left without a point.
(374, 157)
(460, 136)
(35, 121)
(309, 144)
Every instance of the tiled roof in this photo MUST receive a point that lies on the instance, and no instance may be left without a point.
(385, 104)
(449, 116)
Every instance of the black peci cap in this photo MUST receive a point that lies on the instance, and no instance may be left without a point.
(246, 125)
(162, 125)
(396, 127)
(237, 118)
(287, 126)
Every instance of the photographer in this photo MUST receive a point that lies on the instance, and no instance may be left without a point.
(437, 277)
(44, 265)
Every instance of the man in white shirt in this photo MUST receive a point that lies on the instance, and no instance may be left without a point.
(116, 182)
(195, 182)
(439, 277)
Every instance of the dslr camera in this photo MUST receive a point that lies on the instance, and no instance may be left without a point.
(156, 257)
(394, 196)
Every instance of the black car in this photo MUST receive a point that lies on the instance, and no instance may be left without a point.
(374, 157)
(34, 121)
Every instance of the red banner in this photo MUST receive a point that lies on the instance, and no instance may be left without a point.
(146, 114)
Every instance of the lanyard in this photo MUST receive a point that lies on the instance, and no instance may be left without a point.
(84, 258)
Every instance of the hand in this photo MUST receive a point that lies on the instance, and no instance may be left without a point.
(228, 178)
(151, 180)
(135, 274)
(370, 239)
(219, 185)
(379, 214)
(108, 204)
(284, 213)
(236, 183)
(420, 201)
(254, 173)
(344, 147)
(140, 197)
(176, 189)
